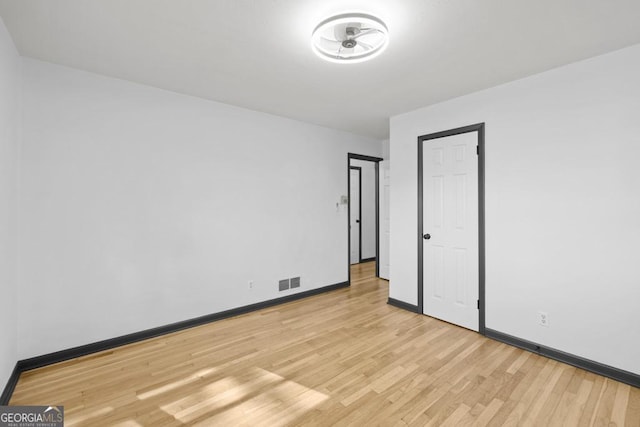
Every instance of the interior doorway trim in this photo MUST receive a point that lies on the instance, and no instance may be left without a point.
(359, 169)
(376, 160)
(479, 128)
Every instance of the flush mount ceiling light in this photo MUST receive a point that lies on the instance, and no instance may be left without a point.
(349, 38)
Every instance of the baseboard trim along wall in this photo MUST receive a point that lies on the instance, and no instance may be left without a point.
(570, 359)
(367, 259)
(403, 305)
(11, 385)
(72, 353)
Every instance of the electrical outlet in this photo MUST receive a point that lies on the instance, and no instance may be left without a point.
(250, 284)
(543, 318)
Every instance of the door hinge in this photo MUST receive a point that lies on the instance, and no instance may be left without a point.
(478, 150)
(478, 304)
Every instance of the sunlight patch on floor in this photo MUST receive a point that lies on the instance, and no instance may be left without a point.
(128, 423)
(172, 386)
(91, 418)
(209, 397)
(232, 400)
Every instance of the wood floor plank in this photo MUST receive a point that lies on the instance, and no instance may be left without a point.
(341, 358)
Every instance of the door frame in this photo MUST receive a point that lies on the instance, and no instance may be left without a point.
(359, 169)
(479, 128)
(377, 161)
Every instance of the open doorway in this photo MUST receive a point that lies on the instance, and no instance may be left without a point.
(355, 214)
(363, 210)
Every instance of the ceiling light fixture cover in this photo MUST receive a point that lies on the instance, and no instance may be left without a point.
(350, 37)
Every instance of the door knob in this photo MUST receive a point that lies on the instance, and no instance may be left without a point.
(426, 236)
(357, 220)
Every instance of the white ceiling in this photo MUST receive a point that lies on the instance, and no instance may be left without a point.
(256, 53)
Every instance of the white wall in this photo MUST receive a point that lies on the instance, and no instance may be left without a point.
(10, 126)
(368, 220)
(562, 204)
(144, 207)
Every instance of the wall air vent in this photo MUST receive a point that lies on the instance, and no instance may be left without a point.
(283, 285)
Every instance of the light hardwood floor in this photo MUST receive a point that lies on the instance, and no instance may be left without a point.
(341, 358)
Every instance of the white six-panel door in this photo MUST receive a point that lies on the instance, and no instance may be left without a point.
(354, 219)
(450, 221)
(385, 222)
